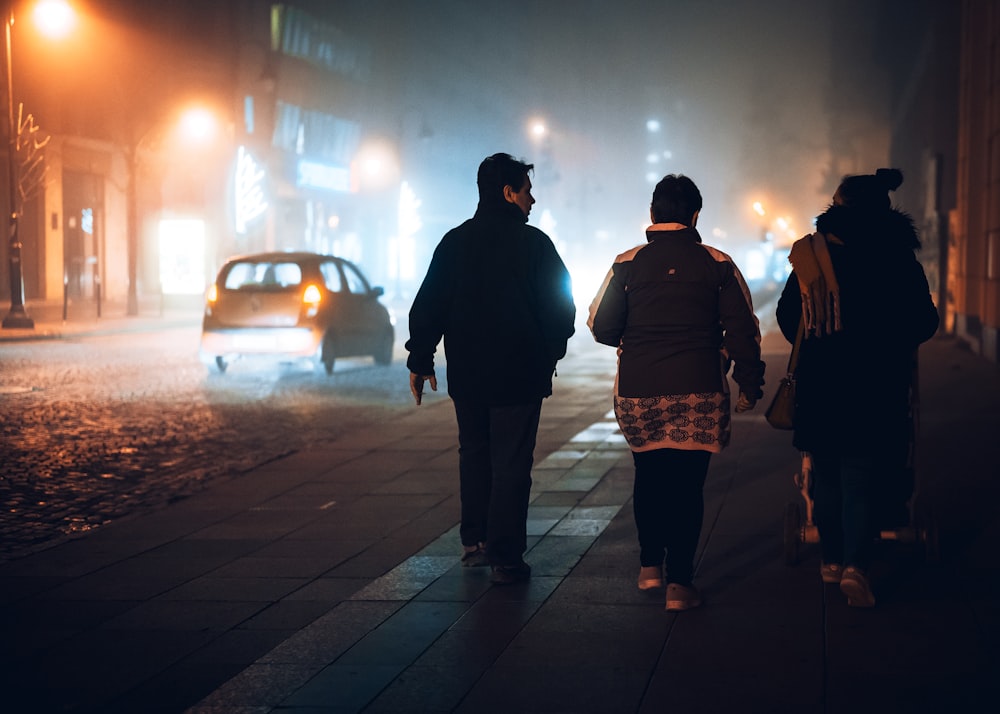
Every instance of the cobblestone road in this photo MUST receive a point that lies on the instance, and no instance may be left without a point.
(95, 428)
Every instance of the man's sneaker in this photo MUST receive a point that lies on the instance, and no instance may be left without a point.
(474, 556)
(510, 574)
(650, 577)
(854, 584)
(682, 597)
(831, 572)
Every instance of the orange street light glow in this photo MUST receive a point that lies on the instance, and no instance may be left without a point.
(198, 125)
(54, 18)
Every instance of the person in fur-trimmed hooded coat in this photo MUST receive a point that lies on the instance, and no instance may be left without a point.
(867, 307)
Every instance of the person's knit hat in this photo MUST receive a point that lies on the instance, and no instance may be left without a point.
(869, 191)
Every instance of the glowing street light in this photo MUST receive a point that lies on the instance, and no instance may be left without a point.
(375, 166)
(55, 18)
(198, 125)
(544, 139)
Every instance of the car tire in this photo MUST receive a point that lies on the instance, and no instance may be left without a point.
(383, 353)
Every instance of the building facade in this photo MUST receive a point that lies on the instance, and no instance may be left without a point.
(944, 121)
(923, 76)
(973, 274)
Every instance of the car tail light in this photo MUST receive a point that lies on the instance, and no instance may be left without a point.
(311, 298)
(211, 297)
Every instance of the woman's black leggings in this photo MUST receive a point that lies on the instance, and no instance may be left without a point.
(669, 505)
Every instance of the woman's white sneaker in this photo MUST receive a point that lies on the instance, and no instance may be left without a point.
(682, 597)
(650, 577)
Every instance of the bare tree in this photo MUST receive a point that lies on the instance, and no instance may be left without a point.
(31, 170)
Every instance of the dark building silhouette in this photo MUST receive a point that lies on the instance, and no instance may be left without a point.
(942, 60)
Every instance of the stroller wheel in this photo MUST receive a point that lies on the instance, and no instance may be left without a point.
(793, 533)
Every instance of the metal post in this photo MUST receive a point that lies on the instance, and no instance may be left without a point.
(17, 317)
(132, 228)
(97, 289)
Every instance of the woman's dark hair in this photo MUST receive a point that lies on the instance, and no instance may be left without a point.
(501, 170)
(869, 191)
(675, 200)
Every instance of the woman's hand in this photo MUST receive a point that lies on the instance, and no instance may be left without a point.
(743, 403)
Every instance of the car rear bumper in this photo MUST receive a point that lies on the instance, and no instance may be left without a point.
(290, 341)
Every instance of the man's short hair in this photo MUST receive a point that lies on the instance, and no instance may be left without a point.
(501, 170)
(675, 200)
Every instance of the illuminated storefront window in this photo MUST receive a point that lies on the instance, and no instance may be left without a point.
(312, 174)
(182, 256)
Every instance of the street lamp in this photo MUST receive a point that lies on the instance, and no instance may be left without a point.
(47, 11)
(18, 316)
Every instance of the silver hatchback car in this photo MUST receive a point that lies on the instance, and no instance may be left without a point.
(294, 305)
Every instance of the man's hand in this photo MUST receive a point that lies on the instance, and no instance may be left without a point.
(743, 403)
(417, 385)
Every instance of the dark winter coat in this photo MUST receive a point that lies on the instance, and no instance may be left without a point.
(500, 296)
(853, 386)
(673, 304)
(678, 311)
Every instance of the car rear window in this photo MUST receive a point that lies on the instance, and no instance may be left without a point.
(355, 282)
(268, 275)
(331, 276)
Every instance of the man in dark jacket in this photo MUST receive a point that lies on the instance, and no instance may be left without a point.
(500, 296)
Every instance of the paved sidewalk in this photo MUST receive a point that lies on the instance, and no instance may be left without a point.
(328, 581)
(49, 325)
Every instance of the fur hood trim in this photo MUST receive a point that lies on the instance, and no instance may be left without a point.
(860, 229)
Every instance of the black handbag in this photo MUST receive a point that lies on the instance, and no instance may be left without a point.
(781, 412)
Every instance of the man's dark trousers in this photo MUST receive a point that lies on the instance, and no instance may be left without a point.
(495, 455)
